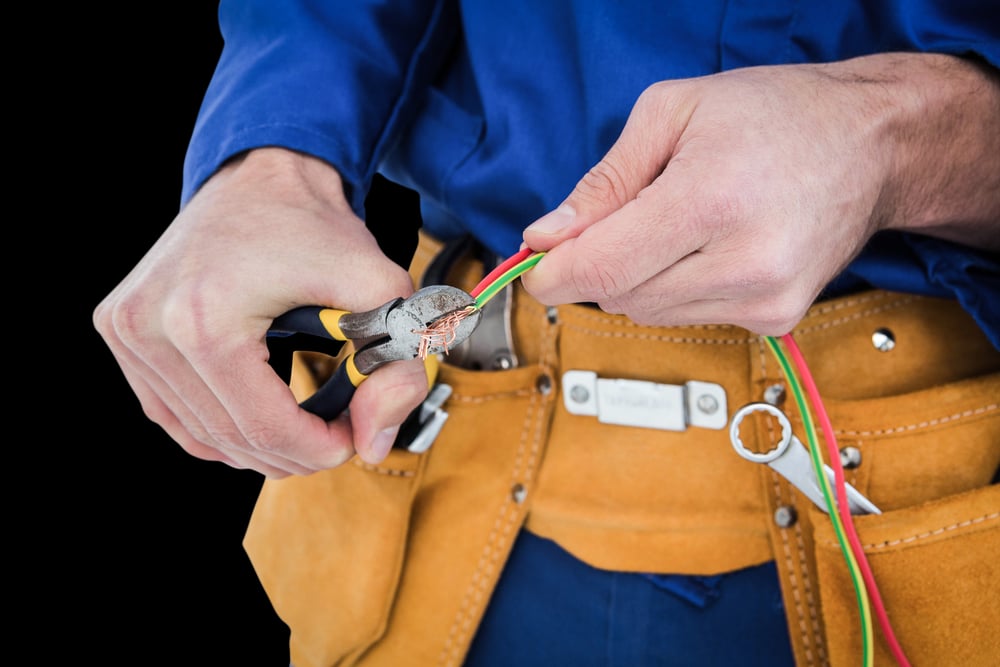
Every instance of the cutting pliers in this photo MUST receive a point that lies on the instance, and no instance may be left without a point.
(395, 331)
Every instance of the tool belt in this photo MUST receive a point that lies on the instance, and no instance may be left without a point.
(394, 564)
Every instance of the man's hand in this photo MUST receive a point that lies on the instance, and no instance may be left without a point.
(735, 198)
(269, 232)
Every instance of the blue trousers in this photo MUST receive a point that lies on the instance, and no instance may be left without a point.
(551, 609)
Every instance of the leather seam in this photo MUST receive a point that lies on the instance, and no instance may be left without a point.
(809, 593)
(929, 423)
(797, 593)
(463, 398)
(382, 470)
(875, 546)
(854, 316)
(659, 338)
(500, 536)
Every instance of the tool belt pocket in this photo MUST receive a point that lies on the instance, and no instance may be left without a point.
(938, 573)
(328, 550)
(933, 551)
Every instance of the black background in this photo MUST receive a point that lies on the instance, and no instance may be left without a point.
(132, 548)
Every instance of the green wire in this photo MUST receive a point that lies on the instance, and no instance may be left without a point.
(824, 482)
(513, 272)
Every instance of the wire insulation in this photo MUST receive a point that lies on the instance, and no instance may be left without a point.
(501, 276)
(860, 591)
(833, 452)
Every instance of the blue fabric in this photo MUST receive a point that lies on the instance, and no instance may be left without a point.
(551, 609)
(493, 110)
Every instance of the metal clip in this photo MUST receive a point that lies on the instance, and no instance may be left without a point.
(421, 428)
(645, 404)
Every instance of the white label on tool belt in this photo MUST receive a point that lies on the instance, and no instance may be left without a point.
(669, 407)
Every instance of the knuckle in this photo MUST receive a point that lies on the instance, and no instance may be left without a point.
(257, 434)
(653, 99)
(122, 318)
(599, 280)
(604, 183)
(775, 315)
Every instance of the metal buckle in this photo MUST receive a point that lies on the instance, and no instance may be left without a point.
(645, 404)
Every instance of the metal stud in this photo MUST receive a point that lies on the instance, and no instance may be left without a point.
(503, 362)
(544, 384)
(579, 394)
(785, 516)
(850, 457)
(883, 340)
(708, 404)
(775, 394)
(518, 493)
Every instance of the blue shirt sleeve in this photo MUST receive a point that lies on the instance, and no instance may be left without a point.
(331, 79)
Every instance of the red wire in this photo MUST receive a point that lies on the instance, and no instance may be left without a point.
(842, 506)
(505, 266)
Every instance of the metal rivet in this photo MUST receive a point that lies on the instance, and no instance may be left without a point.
(544, 384)
(707, 404)
(883, 340)
(850, 457)
(502, 362)
(775, 394)
(785, 516)
(518, 493)
(552, 313)
(579, 394)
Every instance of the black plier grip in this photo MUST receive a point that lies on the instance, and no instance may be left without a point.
(391, 332)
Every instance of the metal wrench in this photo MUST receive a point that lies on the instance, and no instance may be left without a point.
(791, 459)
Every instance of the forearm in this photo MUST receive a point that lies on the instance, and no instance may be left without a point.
(938, 118)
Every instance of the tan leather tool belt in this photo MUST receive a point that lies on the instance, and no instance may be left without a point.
(394, 564)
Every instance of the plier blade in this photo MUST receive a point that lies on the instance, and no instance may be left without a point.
(431, 321)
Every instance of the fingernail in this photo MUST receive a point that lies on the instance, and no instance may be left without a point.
(382, 442)
(554, 221)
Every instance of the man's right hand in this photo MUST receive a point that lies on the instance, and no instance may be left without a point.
(270, 231)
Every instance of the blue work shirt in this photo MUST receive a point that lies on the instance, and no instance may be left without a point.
(492, 111)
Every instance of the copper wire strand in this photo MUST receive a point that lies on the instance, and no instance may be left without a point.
(441, 332)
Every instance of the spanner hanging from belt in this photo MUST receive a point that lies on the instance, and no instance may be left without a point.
(791, 459)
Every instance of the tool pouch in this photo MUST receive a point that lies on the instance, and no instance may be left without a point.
(394, 564)
(416, 542)
(926, 421)
(937, 566)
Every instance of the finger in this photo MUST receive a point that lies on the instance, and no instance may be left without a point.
(191, 424)
(188, 409)
(382, 403)
(715, 289)
(623, 250)
(264, 418)
(640, 154)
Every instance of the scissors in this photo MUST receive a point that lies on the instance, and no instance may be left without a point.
(792, 460)
(431, 321)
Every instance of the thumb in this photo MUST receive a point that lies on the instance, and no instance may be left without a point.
(640, 154)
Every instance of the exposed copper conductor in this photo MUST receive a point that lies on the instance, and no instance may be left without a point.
(441, 332)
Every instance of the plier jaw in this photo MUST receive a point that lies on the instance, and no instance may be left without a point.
(431, 321)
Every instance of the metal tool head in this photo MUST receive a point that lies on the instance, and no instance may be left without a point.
(791, 459)
(746, 452)
(406, 325)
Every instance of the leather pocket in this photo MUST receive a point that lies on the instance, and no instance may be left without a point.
(328, 550)
(937, 569)
(922, 445)
(927, 461)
